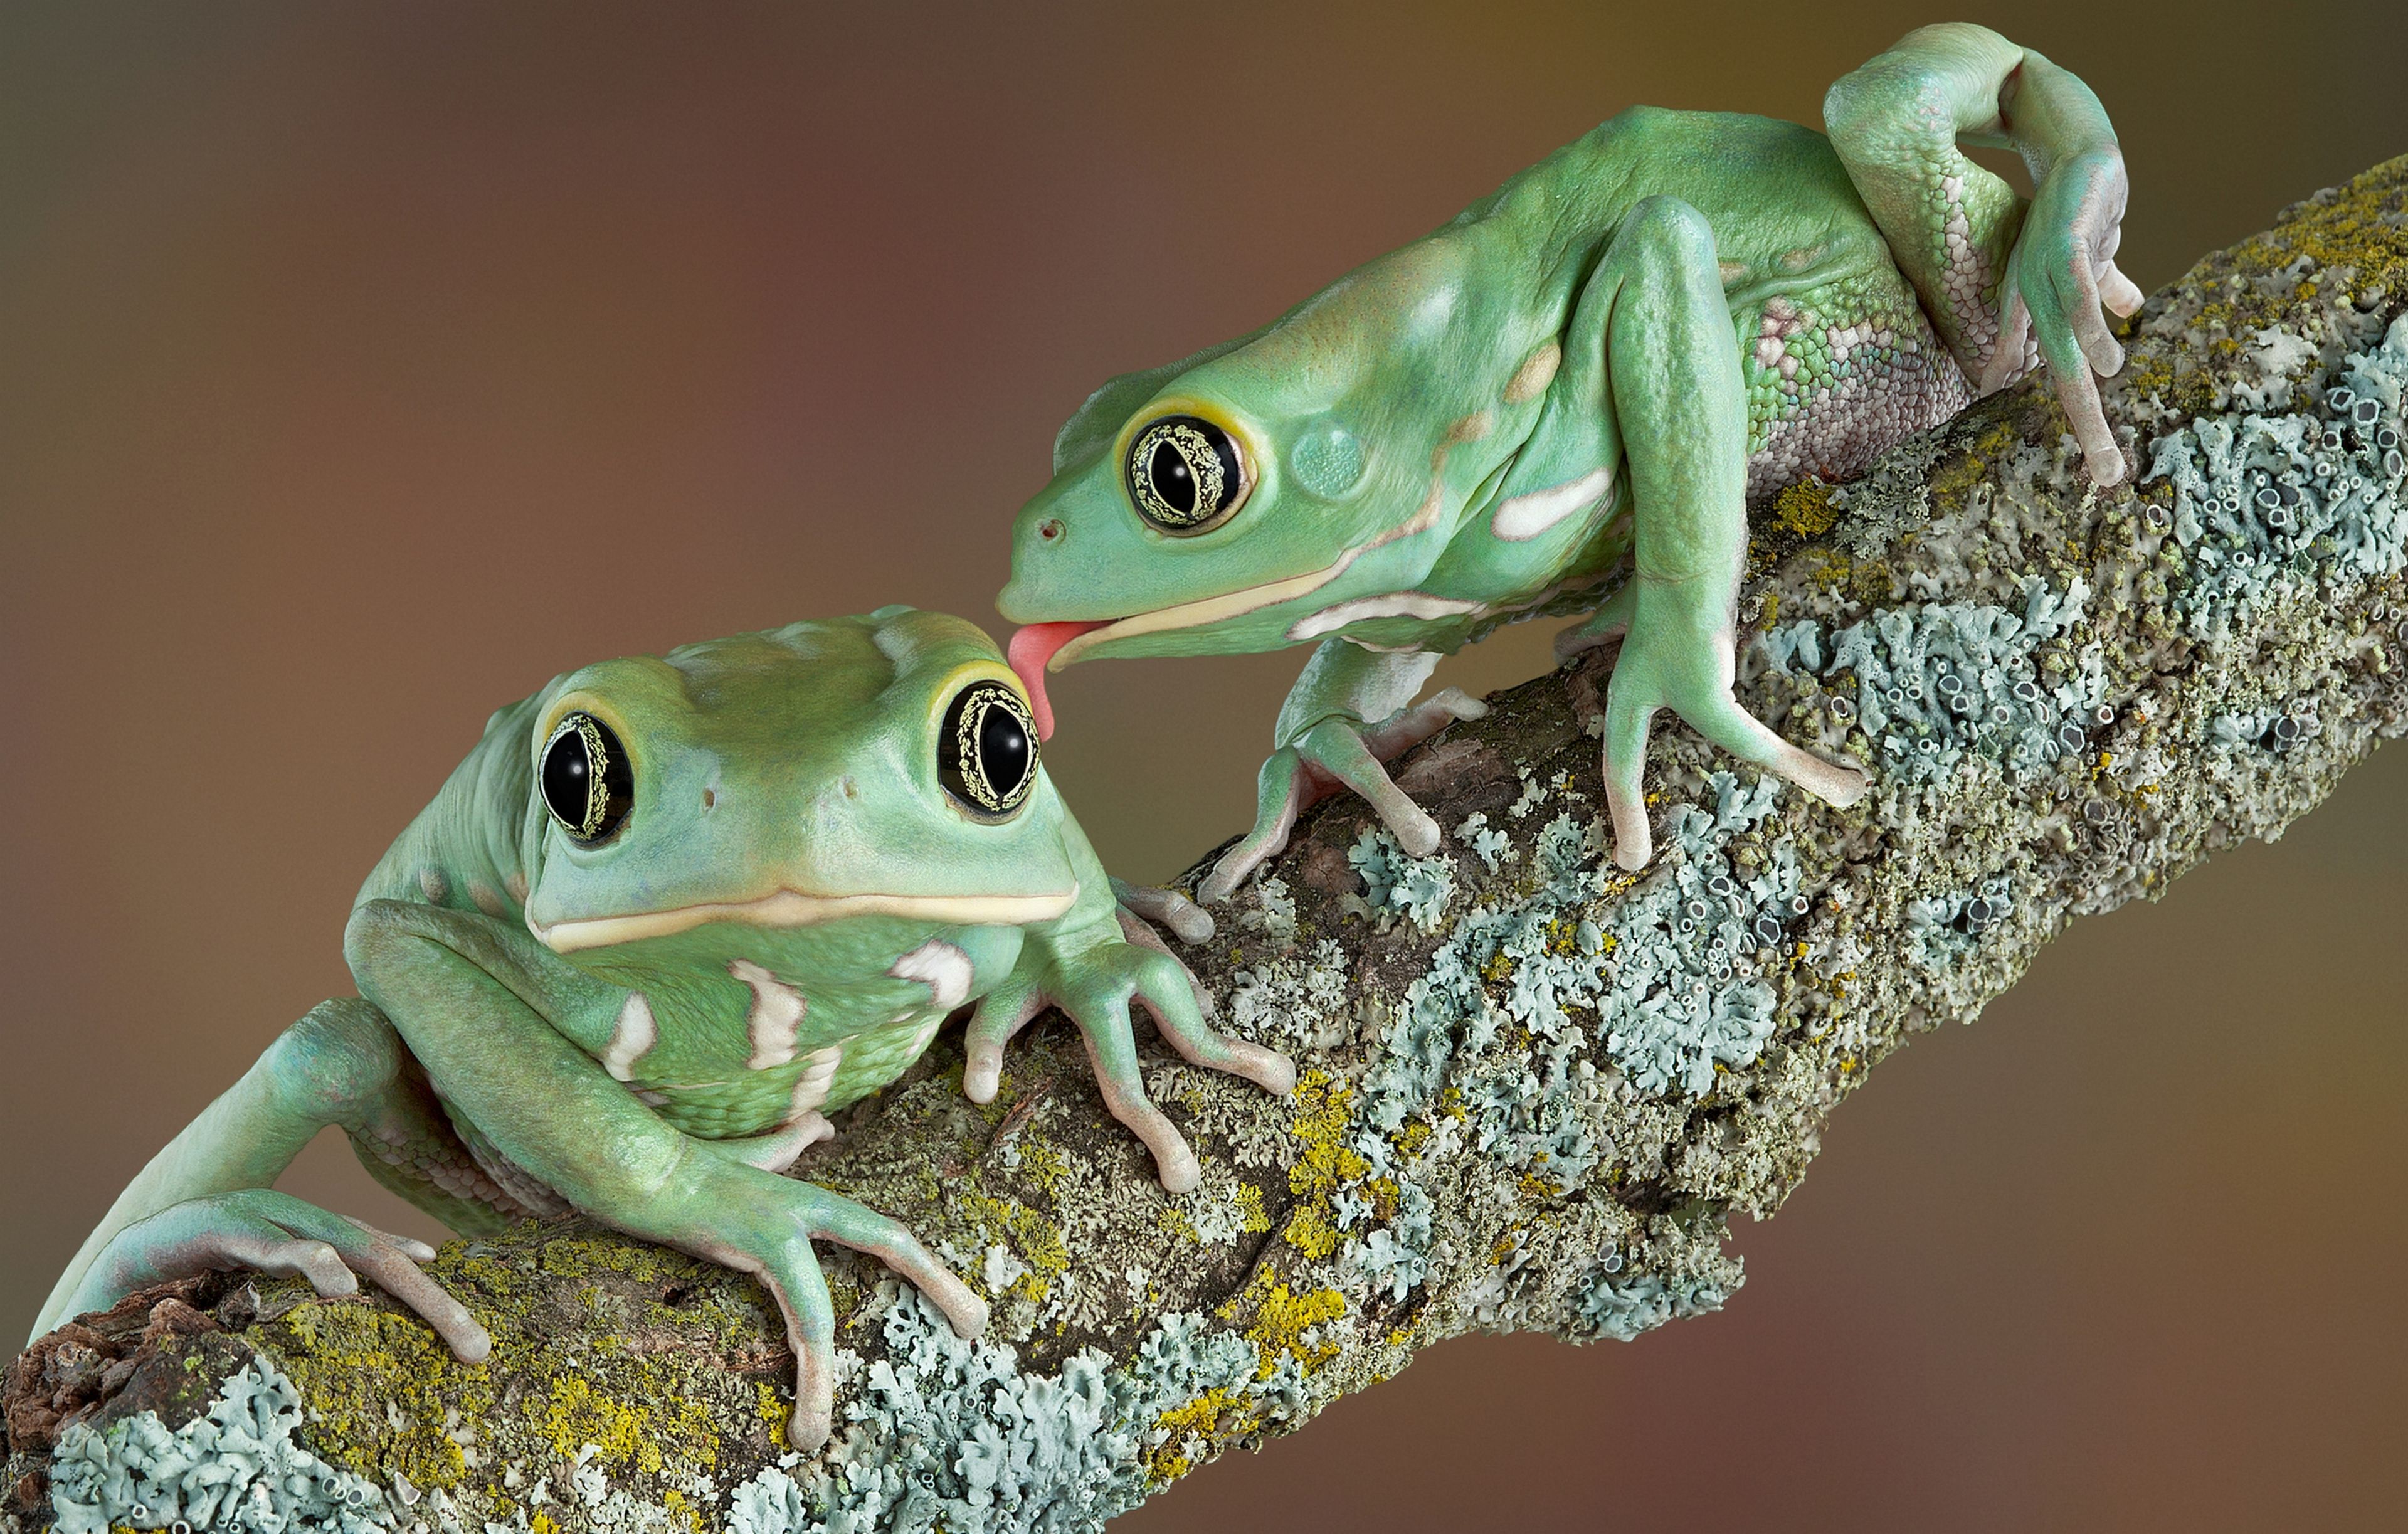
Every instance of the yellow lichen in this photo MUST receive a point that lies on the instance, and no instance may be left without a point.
(1213, 1416)
(380, 1386)
(1283, 1318)
(1805, 509)
(576, 1414)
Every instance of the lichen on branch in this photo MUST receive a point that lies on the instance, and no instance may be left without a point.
(1535, 1088)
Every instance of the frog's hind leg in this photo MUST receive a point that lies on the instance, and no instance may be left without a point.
(1671, 367)
(207, 1201)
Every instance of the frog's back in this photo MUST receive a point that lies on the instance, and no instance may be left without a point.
(1839, 358)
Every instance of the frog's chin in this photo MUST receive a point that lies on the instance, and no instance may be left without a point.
(791, 907)
(1039, 648)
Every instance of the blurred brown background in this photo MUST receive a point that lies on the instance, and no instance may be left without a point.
(361, 367)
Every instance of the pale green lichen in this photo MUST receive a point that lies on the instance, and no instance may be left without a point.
(239, 1467)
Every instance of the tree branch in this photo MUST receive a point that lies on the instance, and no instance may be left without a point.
(1535, 1088)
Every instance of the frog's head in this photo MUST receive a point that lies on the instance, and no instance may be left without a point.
(1217, 506)
(874, 767)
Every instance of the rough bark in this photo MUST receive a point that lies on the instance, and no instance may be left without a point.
(1535, 1089)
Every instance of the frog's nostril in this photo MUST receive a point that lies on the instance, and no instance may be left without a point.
(1048, 529)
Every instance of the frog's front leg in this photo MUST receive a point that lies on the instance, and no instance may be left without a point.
(206, 1201)
(1346, 716)
(1673, 373)
(509, 1035)
(1084, 964)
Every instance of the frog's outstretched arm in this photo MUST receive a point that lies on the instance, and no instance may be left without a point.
(517, 1031)
(1995, 277)
(1345, 717)
(205, 1201)
(1653, 322)
(1084, 964)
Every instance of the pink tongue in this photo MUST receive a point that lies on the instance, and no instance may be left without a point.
(1030, 648)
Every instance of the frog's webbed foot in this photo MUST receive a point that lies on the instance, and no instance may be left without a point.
(276, 1233)
(740, 1218)
(1188, 922)
(1673, 657)
(2061, 284)
(1096, 987)
(1341, 753)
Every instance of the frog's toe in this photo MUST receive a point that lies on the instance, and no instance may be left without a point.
(276, 1233)
(1124, 1097)
(890, 1242)
(1406, 728)
(1280, 792)
(2120, 293)
(1177, 1019)
(1187, 921)
(1723, 723)
(1626, 765)
(1337, 748)
(1000, 1014)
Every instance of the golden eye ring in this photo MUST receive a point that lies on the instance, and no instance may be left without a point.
(585, 779)
(1187, 475)
(986, 749)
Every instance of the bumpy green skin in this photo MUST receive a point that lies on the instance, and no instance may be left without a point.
(1540, 408)
(649, 1028)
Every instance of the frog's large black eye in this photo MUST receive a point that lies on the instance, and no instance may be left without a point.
(587, 784)
(987, 751)
(1186, 475)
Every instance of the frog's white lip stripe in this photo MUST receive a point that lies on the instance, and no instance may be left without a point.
(1208, 609)
(791, 907)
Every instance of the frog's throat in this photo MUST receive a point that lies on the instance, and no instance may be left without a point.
(791, 907)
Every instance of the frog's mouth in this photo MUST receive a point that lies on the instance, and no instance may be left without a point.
(791, 907)
(1039, 648)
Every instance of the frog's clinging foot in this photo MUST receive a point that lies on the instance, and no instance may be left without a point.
(276, 1233)
(1335, 754)
(1095, 986)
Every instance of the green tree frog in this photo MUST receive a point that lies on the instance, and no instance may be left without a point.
(1567, 400)
(667, 916)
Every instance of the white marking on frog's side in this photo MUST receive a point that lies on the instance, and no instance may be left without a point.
(635, 1033)
(1403, 604)
(431, 884)
(1531, 379)
(1524, 517)
(777, 1011)
(811, 1086)
(946, 970)
(649, 1097)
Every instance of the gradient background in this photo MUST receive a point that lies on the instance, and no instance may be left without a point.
(362, 367)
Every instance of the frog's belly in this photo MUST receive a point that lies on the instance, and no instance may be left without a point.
(1838, 373)
(823, 1077)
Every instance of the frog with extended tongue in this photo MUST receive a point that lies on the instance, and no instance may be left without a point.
(668, 915)
(1566, 401)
